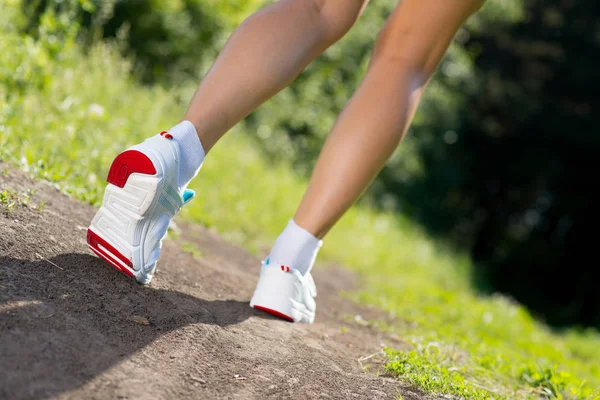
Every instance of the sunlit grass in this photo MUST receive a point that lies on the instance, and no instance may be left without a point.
(85, 110)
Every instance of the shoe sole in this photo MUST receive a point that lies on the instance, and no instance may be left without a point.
(116, 232)
(274, 313)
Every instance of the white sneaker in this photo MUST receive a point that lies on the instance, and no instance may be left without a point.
(285, 293)
(139, 202)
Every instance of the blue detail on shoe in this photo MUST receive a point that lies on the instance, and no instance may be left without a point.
(188, 194)
(267, 261)
(172, 192)
(165, 203)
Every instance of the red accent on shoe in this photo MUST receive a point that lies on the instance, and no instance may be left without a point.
(127, 163)
(96, 241)
(282, 268)
(287, 269)
(274, 313)
(169, 136)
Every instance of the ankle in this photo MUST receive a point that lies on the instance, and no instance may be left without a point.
(208, 134)
(191, 152)
(311, 226)
(296, 247)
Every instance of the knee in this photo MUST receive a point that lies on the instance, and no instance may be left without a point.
(335, 17)
(397, 48)
(415, 39)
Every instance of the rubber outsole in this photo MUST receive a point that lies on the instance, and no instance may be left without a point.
(274, 313)
(109, 254)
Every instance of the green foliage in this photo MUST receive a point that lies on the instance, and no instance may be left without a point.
(31, 61)
(434, 373)
(69, 124)
(493, 343)
(191, 248)
(515, 186)
(441, 371)
(171, 40)
(9, 199)
(550, 381)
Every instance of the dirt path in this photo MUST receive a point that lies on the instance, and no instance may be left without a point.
(72, 327)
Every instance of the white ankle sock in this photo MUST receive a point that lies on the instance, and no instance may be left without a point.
(191, 152)
(296, 247)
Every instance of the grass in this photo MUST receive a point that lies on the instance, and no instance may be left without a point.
(64, 116)
(192, 249)
(9, 199)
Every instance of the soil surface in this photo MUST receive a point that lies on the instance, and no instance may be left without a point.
(72, 327)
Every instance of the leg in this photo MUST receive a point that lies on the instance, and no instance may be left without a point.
(264, 55)
(407, 51)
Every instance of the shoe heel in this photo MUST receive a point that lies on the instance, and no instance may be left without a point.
(127, 163)
(108, 253)
(274, 292)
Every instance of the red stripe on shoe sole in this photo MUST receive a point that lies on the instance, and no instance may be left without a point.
(275, 313)
(103, 249)
(127, 163)
(111, 262)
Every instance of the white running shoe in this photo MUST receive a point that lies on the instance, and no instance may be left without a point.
(285, 293)
(139, 202)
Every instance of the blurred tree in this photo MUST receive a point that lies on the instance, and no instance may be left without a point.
(169, 41)
(535, 143)
(514, 180)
